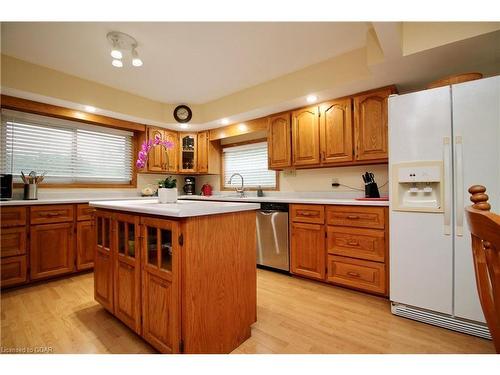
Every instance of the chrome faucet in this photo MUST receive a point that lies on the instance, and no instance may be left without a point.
(240, 190)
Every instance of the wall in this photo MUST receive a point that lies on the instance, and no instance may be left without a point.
(320, 179)
(25, 77)
(421, 36)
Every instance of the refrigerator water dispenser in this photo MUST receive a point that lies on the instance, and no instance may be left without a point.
(418, 186)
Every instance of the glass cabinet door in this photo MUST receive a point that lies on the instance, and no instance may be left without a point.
(160, 281)
(159, 248)
(103, 232)
(103, 262)
(187, 152)
(126, 236)
(127, 270)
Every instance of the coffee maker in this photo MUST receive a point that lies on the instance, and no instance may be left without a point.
(189, 185)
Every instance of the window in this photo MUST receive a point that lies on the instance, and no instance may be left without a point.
(250, 161)
(70, 152)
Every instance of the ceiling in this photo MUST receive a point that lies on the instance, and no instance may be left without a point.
(183, 62)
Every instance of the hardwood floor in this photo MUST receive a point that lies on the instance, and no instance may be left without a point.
(294, 316)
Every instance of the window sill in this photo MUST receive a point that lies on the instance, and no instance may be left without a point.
(80, 186)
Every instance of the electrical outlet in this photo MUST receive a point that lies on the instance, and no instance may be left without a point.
(335, 182)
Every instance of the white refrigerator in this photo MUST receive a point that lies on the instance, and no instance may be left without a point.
(451, 133)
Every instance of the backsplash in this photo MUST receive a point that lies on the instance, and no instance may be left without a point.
(306, 180)
(320, 180)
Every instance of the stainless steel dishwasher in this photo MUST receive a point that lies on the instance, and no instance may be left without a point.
(272, 236)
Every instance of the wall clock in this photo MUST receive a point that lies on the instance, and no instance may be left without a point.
(182, 113)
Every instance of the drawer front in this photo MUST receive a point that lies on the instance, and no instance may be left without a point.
(84, 212)
(14, 270)
(359, 243)
(13, 241)
(308, 213)
(355, 216)
(13, 216)
(355, 273)
(51, 214)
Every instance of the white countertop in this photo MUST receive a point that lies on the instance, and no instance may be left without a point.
(22, 202)
(180, 209)
(285, 199)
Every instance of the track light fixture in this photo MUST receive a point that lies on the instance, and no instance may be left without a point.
(120, 43)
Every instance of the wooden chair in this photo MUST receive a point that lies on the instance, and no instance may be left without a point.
(485, 232)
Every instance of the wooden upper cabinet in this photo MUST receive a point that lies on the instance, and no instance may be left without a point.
(51, 250)
(279, 141)
(370, 124)
(156, 157)
(202, 152)
(336, 131)
(170, 156)
(305, 136)
(187, 152)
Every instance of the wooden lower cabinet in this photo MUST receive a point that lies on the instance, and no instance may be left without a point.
(85, 245)
(355, 253)
(356, 273)
(103, 263)
(138, 274)
(127, 271)
(13, 270)
(51, 250)
(307, 251)
(13, 241)
(160, 284)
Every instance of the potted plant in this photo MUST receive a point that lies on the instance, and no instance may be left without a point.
(167, 190)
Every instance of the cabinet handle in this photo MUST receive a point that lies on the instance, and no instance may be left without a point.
(353, 274)
(305, 213)
(353, 242)
(49, 214)
(352, 217)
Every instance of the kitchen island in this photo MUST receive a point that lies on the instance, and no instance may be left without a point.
(182, 275)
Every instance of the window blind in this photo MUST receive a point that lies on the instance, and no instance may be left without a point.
(251, 162)
(68, 151)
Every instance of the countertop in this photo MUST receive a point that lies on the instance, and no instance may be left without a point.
(182, 208)
(285, 199)
(281, 198)
(22, 202)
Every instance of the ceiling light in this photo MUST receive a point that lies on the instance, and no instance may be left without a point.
(224, 121)
(122, 43)
(183, 126)
(116, 54)
(136, 61)
(89, 108)
(311, 98)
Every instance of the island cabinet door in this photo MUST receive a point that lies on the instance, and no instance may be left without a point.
(127, 271)
(160, 284)
(103, 263)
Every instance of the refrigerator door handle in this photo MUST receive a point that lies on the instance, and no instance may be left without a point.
(446, 180)
(460, 185)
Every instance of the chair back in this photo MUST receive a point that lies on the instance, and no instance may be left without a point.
(485, 231)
